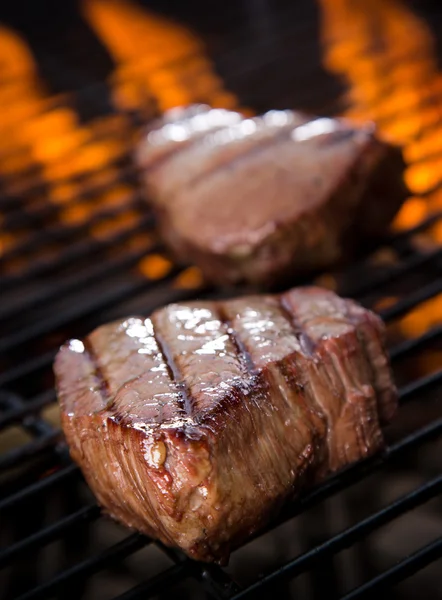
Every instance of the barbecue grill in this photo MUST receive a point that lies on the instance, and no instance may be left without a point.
(78, 248)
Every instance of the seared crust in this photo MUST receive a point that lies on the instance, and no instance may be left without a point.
(193, 426)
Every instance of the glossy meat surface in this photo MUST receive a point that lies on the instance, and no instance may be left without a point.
(196, 424)
(257, 199)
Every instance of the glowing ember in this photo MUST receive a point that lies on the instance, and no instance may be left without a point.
(155, 266)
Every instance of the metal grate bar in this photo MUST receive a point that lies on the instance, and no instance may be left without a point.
(397, 239)
(347, 538)
(384, 278)
(39, 487)
(77, 281)
(92, 304)
(218, 582)
(409, 391)
(76, 252)
(17, 456)
(49, 534)
(411, 301)
(403, 570)
(158, 583)
(42, 209)
(64, 232)
(410, 346)
(17, 414)
(75, 311)
(33, 425)
(88, 567)
(38, 185)
(41, 361)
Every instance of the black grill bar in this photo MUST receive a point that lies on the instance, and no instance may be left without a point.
(75, 311)
(377, 281)
(40, 486)
(218, 584)
(44, 433)
(348, 537)
(410, 391)
(397, 239)
(45, 210)
(88, 567)
(49, 534)
(403, 570)
(75, 252)
(64, 232)
(414, 344)
(76, 282)
(158, 583)
(217, 581)
(17, 456)
(41, 361)
(33, 406)
(409, 302)
(93, 304)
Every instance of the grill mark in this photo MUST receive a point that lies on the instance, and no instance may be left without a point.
(178, 147)
(241, 350)
(174, 372)
(383, 395)
(259, 147)
(103, 385)
(338, 136)
(308, 346)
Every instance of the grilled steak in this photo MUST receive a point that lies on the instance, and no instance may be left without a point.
(194, 426)
(258, 199)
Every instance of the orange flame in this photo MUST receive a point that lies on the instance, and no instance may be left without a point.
(386, 55)
(155, 56)
(158, 61)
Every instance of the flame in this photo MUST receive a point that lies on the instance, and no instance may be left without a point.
(158, 62)
(155, 57)
(386, 55)
(380, 47)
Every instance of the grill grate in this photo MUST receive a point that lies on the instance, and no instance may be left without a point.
(80, 249)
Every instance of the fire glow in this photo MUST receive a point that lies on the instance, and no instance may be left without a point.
(386, 55)
(382, 49)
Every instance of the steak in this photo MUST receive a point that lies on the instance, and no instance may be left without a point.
(258, 200)
(195, 425)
